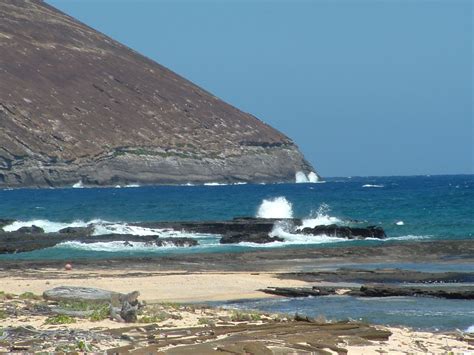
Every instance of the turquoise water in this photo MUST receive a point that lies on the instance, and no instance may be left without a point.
(416, 312)
(408, 208)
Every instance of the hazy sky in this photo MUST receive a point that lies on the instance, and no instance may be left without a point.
(363, 87)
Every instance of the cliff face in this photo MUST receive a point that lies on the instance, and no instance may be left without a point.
(77, 105)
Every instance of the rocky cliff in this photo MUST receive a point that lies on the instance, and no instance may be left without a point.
(76, 105)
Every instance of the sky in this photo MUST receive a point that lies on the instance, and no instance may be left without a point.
(363, 87)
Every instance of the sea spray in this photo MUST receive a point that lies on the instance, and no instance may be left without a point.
(78, 185)
(278, 207)
(320, 217)
(312, 177)
(300, 178)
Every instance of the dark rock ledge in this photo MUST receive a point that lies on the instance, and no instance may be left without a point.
(456, 292)
(253, 230)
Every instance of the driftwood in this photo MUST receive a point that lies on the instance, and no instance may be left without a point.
(123, 307)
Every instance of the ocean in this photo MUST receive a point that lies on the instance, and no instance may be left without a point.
(407, 208)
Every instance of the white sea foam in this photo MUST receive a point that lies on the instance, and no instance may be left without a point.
(406, 237)
(214, 184)
(281, 230)
(301, 178)
(320, 217)
(224, 184)
(48, 226)
(312, 177)
(78, 185)
(370, 185)
(132, 185)
(102, 227)
(400, 223)
(278, 207)
(115, 246)
(470, 329)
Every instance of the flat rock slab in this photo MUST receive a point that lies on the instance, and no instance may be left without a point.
(381, 276)
(456, 292)
(73, 293)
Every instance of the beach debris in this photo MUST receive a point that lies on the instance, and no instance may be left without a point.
(68, 267)
(75, 293)
(119, 306)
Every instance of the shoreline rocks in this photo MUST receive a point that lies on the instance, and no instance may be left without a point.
(18, 242)
(457, 292)
(346, 232)
(237, 230)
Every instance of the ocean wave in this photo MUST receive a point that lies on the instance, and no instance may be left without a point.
(302, 178)
(470, 329)
(408, 237)
(46, 225)
(101, 227)
(294, 239)
(320, 217)
(223, 183)
(278, 207)
(370, 185)
(78, 185)
(116, 246)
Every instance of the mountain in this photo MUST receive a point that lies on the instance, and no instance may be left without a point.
(75, 105)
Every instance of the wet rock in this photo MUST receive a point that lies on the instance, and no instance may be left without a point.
(334, 230)
(259, 238)
(17, 242)
(5, 222)
(247, 225)
(300, 291)
(178, 242)
(84, 231)
(381, 276)
(458, 292)
(32, 229)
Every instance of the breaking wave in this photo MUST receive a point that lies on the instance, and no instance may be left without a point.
(320, 217)
(101, 227)
(78, 185)
(370, 185)
(301, 178)
(46, 225)
(223, 183)
(278, 207)
(117, 246)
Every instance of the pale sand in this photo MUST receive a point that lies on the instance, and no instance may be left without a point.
(406, 341)
(176, 286)
(181, 286)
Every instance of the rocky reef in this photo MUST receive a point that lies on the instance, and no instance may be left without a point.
(238, 230)
(78, 107)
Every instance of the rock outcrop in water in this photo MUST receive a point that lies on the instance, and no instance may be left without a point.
(238, 230)
(76, 105)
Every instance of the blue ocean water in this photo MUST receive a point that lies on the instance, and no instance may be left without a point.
(416, 312)
(408, 208)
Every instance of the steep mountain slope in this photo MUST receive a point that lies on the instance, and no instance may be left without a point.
(77, 105)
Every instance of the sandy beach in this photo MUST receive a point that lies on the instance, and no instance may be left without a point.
(175, 286)
(173, 291)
